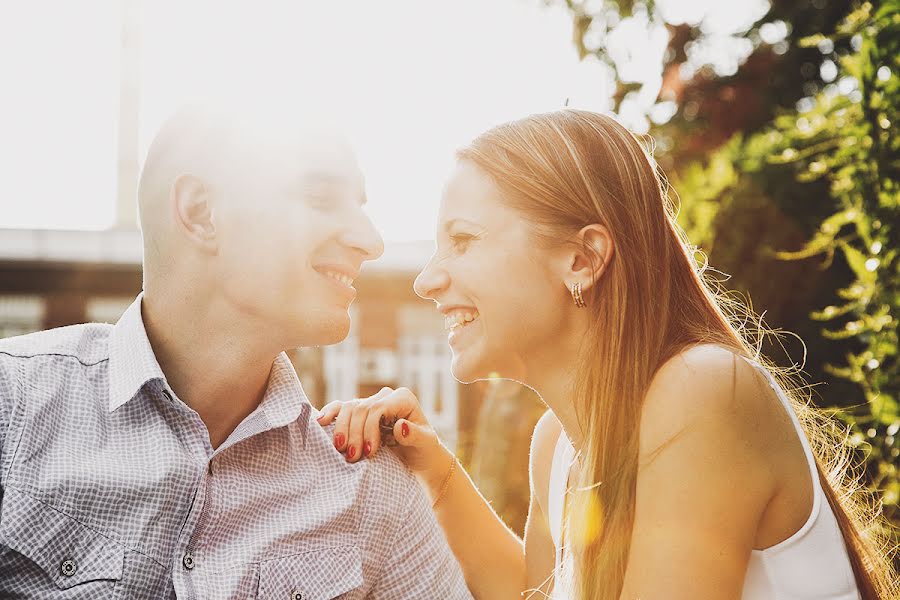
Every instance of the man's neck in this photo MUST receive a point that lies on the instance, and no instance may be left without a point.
(218, 370)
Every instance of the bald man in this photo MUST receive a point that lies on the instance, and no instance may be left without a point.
(174, 455)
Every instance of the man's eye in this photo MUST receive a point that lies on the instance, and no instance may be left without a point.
(320, 200)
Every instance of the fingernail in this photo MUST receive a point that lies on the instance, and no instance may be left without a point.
(339, 440)
(351, 452)
(367, 448)
(404, 429)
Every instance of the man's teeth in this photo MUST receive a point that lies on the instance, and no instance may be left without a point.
(455, 320)
(340, 277)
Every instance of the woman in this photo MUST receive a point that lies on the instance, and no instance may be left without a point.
(671, 464)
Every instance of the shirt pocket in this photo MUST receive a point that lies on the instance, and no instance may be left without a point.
(68, 552)
(314, 575)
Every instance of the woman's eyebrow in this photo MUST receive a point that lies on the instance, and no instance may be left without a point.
(449, 224)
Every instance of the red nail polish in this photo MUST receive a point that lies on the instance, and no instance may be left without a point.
(367, 448)
(351, 452)
(404, 429)
(339, 441)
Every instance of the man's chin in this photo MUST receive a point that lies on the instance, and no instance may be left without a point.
(326, 331)
(335, 333)
(333, 337)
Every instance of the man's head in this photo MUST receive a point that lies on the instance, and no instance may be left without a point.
(259, 215)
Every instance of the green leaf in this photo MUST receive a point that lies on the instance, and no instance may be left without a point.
(859, 263)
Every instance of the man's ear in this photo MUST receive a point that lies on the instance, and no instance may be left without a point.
(589, 256)
(194, 212)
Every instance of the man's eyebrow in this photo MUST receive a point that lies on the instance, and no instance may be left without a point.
(314, 177)
(326, 178)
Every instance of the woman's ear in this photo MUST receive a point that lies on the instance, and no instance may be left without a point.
(590, 254)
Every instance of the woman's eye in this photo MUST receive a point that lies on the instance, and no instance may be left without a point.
(461, 241)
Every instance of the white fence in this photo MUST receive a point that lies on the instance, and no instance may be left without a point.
(341, 365)
(425, 369)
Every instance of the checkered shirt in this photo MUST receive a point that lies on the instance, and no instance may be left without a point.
(109, 488)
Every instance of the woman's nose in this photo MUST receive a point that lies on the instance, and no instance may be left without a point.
(431, 281)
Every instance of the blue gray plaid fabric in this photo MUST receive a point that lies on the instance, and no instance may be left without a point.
(109, 488)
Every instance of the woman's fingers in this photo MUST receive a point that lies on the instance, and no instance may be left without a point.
(329, 412)
(409, 434)
(357, 443)
(342, 424)
(399, 404)
(361, 425)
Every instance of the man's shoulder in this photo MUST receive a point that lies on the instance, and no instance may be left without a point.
(86, 343)
(382, 477)
(388, 478)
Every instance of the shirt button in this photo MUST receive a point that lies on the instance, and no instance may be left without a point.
(68, 568)
(296, 595)
(188, 561)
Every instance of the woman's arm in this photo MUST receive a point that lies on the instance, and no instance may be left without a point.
(492, 557)
(703, 482)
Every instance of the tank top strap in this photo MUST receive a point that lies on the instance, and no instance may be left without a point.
(559, 482)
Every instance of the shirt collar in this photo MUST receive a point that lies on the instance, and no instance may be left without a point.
(132, 364)
(131, 360)
(284, 400)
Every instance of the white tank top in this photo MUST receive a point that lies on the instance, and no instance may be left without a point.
(812, 564)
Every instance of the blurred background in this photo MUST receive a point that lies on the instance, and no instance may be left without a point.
(773, 119)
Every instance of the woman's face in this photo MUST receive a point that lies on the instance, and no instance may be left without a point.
(499, 290)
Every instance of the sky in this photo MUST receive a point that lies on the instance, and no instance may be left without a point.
(412, 80)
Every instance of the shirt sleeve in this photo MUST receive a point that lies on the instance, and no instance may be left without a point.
(420, 563)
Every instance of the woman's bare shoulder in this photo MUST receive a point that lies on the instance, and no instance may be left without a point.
(705, 385)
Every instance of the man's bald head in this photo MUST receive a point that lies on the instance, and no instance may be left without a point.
(218, 144)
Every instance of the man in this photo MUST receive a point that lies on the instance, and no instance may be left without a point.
(175, 454)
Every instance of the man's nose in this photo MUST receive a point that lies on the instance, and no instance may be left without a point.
(363, 236)
(431, 281)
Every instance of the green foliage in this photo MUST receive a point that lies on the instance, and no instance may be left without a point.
(844, 138)
(849, 140)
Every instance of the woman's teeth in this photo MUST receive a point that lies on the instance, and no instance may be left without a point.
(340, 277)
(460, 319)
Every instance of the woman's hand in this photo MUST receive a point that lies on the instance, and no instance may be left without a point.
(390, 417)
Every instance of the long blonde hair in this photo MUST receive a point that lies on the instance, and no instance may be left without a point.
(562, 171)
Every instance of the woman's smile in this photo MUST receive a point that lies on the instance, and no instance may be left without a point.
(459, 326)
